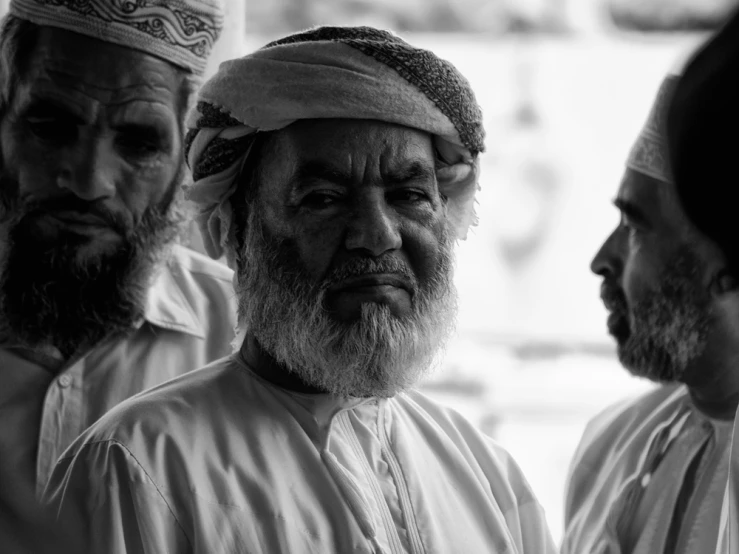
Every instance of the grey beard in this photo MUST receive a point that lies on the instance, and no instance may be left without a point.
(669, 328)
(379, 354)
(48, 297)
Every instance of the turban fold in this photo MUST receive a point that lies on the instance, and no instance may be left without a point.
(703, 135)
(649, 154)
(181, 32)
(330, 72)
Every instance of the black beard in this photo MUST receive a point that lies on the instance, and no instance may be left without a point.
(669, 328)
(48, 297)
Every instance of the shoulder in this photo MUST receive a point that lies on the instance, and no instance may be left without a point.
(179, 411)
(171, 436)
(481, 451)
(613, 442)
(465, 450)
(622, 424)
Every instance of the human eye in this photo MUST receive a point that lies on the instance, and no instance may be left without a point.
(139, 142)
(408, 196)
(628, 225)
(51, 129)
(321, 199)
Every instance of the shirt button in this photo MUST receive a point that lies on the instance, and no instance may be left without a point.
(65, 381)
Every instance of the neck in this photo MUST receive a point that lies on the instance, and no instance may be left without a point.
(716, 393)
(270, 370)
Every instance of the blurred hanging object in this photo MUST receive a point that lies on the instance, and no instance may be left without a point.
(703, 135)
(529, 182)
(669, 15)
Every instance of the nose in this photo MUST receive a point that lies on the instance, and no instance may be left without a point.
(88, 170)
(608, 261)
(373, 227)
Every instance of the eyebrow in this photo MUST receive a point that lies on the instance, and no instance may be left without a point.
(632, 211)
(47, 108)
(148, 131)
(312, 171)
(415, 171)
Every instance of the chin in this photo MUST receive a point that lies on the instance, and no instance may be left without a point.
(352, 311)
(96, 248)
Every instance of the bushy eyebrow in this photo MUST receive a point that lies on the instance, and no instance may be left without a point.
(415, 171)
(312, 171)
(49, 109)
(632, 211)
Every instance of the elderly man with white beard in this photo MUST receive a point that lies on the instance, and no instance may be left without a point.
(335, 168)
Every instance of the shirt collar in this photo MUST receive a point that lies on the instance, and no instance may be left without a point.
(167, 305)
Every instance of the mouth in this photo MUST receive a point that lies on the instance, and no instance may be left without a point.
(78, 218)
(618, 325)
(614, 301)
(372, 282)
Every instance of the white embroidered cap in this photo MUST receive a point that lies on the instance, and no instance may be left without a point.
(181, 32)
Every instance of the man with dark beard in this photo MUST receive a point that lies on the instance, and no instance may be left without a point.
(649, 475)
(96, 301)
(335, 168)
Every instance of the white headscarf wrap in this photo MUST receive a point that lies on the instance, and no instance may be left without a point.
(330, 72)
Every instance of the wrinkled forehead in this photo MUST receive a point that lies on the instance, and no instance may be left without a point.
(66, 60)
(348, 143)
(656, 199)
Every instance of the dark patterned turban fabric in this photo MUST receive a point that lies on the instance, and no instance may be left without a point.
(181, 32)
(331, 72)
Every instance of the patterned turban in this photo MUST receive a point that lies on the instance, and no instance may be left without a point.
(649, 154)
(330, 72)
(181, 32)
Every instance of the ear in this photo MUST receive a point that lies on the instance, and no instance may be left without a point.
(723, 282)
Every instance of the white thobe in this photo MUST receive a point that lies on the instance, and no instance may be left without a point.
(648, 477)
(221, 460)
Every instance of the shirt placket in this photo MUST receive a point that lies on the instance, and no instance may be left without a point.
(621, 513)
(396, 471)
(354, 494)
(61, 420)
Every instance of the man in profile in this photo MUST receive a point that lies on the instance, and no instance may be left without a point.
(650, 474)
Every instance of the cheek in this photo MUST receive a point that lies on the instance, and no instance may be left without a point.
(30, 166)
(318, 245)
(640, 277)
(317, 241)
(141, 187)
(423, 244)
